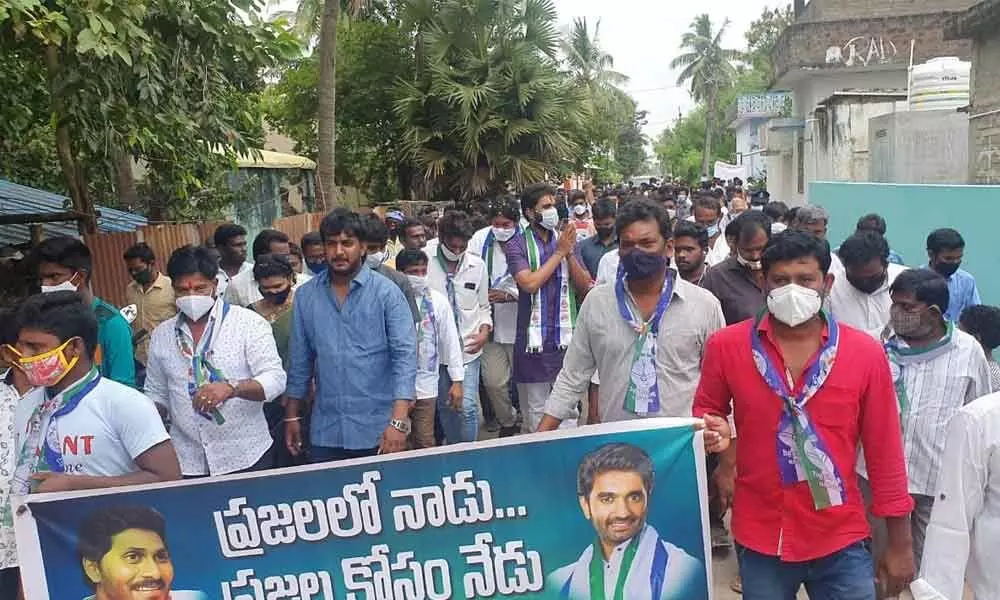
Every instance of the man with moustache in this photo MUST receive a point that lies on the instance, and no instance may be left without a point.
(124, 555)
(629, 559)
(690, 250)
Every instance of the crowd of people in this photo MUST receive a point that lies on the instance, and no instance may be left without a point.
(849, 425)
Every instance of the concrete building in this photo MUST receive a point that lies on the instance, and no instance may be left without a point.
(981, 25)
(919, 147)
(749, 118)
(835, 143)
(847, 46)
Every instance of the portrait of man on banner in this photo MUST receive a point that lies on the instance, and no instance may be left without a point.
(629, 558)
(124, 556)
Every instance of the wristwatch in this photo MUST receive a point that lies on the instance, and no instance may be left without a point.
(401, 425)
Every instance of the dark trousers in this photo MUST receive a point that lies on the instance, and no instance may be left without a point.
(274, 412)
(322, 454)
(10, 583)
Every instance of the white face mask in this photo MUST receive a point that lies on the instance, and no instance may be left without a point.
(672, 213)
(503, 235)
(418, 283)
(66, 286)
(753, 265)
(793, 304)
(375, 259)
(195, 307)
(580, 210)
(550, 219)
(449, 255)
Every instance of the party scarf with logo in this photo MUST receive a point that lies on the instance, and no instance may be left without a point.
(901, 355)
(643, 395)
(802, 454)
(201, 371)
(450, 285)
(427, 357)
(539, 304)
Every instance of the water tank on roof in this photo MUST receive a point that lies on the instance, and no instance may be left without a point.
(940, 83)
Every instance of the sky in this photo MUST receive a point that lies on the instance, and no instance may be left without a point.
(643, 36)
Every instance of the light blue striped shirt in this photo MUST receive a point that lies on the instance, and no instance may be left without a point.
(962, 293)
(363, 355)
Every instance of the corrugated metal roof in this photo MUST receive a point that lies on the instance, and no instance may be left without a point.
(19, 199)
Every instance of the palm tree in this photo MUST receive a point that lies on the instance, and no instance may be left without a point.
(708, 68)
(490, 107)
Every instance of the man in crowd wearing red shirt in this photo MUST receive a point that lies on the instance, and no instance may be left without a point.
(798, 516)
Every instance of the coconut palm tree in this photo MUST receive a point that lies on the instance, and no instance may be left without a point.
(708, 68)
(491, 108)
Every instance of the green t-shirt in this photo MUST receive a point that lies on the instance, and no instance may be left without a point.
(115, 354)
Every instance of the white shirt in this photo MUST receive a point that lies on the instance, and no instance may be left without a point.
(244, 291)
(447, 345)
(242, 347)
(8, 461)
(223, 279)
(719, 252)
(104, 434)
(471, 293)
(963, 537)
(504, 313)
(867, 312)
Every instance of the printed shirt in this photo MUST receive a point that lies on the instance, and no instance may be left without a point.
(867, 312)
(471, 293)
(605, 342)
(363, 355)
(734, 286)
(242, 347)
(504, 313)
(115, 356)
(244, 291)
(935, 390)
(448, 348)
(111, 427)
(856, 404)
(961, 543)
(962, 293)
(9, 399)
(153, 306)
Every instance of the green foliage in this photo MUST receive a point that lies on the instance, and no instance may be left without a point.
(679, 148)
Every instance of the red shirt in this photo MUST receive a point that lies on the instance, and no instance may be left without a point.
(856, 404)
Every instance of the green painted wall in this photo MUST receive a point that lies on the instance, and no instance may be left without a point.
(913, 211)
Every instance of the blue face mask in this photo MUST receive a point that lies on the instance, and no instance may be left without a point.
(642, 265)
(316, 267)
(712, 230)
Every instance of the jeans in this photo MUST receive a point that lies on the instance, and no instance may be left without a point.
(463, 425)
(847, 574)
(323, 454)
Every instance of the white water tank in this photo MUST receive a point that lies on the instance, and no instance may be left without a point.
(940, 83)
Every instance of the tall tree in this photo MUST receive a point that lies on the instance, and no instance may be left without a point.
(708, 69)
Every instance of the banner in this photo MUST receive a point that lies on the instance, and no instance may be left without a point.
(726, 171)
(520, 517)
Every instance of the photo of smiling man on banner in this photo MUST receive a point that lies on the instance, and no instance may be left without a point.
(124, 556)
(614, 484)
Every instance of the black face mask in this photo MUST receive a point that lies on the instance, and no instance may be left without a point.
(947, 269)
(277, 298)
(144, 277)
(867, 285)
(605, 232)
(316, 267)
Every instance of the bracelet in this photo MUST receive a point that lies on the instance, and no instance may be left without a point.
(292, 419)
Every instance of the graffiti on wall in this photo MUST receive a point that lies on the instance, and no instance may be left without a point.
(862, 51)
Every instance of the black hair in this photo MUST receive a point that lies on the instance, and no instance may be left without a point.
(142, 251)
(409, 222)
(863, 247)
(373, 230)
(294, 249)
(506, 207)
(613, 457)
(67, 252)
(644, 210)
(313, 238)
(8, 327)
(454, 223)
(794, 244)
(96, 534)
(872, 222)
(226, 232)
(792, 214)
(708, 203)
(577, 195)
(192, 260)
(533, 193)
(408, 258)
(341, 221)
(944, 239)
(272, 265)
(62, 314)
(983, 322)
(262, 243)
(604, 208)
(777, 210)
(747, 223)
(692, 230)
(927, 286)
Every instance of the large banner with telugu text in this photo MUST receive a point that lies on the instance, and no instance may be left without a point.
(611, 511)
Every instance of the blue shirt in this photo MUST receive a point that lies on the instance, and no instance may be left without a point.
(962, 293)
(895, 258)
(363, 355)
